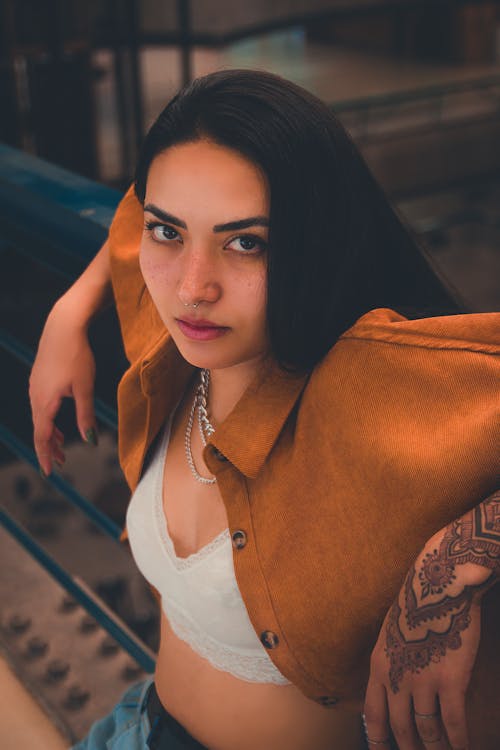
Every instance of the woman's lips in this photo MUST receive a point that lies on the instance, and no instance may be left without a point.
(201, 331)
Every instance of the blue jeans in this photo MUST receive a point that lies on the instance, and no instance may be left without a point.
(127, 727)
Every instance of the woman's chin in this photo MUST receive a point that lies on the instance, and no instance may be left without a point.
(218, 354)
(212, 360)
(205, 360)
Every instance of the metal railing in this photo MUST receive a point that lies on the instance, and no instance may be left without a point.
(60, 220)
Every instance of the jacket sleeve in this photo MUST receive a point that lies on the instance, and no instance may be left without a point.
(140, 323)
(419, 408)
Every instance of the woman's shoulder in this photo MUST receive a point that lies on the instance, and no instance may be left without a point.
(395, 394)
(127, 221)
(385, 352)
(140, 323)
(469, 332)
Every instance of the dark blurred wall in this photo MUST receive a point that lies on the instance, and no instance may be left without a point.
(46, 82)
(48, 60)
(443, 30)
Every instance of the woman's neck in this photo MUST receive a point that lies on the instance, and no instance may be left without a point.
(228, 385)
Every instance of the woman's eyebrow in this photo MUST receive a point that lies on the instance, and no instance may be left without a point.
(252, 221)
(164, 216)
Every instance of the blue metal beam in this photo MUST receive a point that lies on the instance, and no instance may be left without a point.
(50, 204)
(93, 202)
(22, 451)
(22, 353)
(110, 623)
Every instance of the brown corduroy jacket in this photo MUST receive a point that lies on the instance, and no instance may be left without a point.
(334, 481)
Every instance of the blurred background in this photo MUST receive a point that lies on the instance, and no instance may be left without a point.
(416, 84)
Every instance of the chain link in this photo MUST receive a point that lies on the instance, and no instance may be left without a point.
(206, 429)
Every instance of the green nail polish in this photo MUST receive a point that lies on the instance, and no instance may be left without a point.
(91, 436)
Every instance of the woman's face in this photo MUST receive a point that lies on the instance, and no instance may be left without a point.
(206, 214)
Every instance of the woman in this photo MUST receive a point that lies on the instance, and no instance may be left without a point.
(290, 438)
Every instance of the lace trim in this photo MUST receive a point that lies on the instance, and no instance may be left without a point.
(251, 668)
(257, 667)
(181, 563)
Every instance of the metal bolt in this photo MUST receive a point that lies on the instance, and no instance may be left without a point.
(19, 623)
(88, 624)
(68, 604)
(42, 527)
(131, 671)
(57, 670)
(22, 487)
(76, 697)
(108, 646)
(45, 506)
(36, 647)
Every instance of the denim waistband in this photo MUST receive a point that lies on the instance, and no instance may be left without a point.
(164, 727)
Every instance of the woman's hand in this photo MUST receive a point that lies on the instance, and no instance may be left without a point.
(423, 659)
(64, 366)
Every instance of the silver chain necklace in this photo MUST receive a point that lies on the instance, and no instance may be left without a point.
(206, 429)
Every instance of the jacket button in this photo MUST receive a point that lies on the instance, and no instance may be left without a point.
(269, 639)
(328, 700)
(239, 539)
(218, 455)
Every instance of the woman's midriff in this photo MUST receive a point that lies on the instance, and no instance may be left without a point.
(223, 712)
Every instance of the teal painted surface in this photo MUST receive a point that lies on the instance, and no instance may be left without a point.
(45, 209)
(24, 354)
(85, 198)
(25, 453)
(60, 219)
(142, 655)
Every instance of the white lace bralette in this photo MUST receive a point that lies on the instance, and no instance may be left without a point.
(199, 593)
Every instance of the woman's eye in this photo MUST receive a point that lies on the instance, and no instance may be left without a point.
(161, 232)
(248, 244)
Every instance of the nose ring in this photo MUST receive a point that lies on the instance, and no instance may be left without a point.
(188, 304)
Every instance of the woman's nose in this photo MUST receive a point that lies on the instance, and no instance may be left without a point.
(198, 280)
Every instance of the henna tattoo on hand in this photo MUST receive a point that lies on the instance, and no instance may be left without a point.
(473, 538)
(413, 656)
(416, 615)
(436, 573)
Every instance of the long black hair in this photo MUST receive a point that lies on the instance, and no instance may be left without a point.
(337, 248)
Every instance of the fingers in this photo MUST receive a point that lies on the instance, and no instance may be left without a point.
(54, 452)
(454, 718)
(428, 721)
(402, 723)
(85, 417)
(46, 441)
(376, 717)
(57, 444)
(58, 434)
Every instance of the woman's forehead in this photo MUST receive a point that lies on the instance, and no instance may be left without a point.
(206, 174)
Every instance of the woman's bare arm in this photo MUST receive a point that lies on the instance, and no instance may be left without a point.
(91, 293)
(427, 647)
(64, 365)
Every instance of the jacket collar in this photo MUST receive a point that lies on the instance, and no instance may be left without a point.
(248, 434)
(244, 439)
